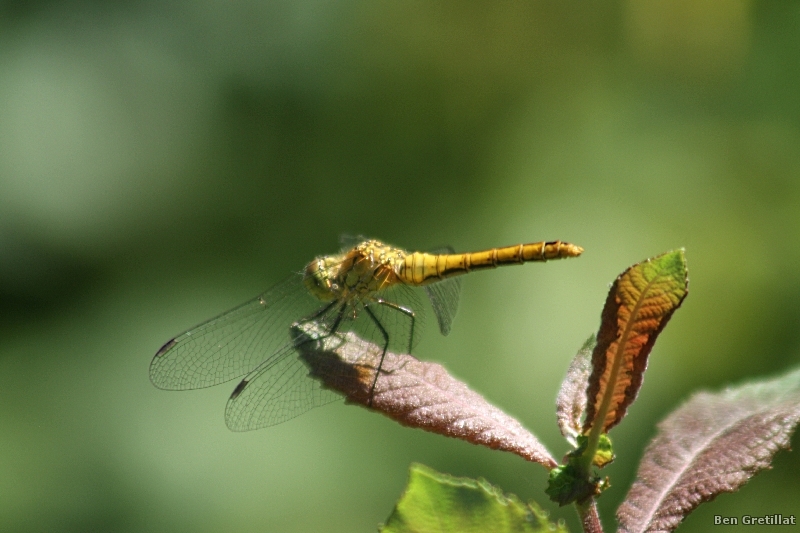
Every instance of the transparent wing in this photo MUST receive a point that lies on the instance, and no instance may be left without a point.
(282, 388)
(235, 342)
(278, 390)
(349, 240)
(444, 296)
(446, 249)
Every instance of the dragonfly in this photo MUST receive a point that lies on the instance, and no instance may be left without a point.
(370, 288)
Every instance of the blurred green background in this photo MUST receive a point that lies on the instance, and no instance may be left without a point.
(161, 162)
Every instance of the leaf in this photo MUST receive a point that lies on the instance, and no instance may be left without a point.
(571, 400)
(639, 305)
(414, 393)
(605, 452)
(438, 503)
(568, 483)
(714, 443)
(571, 482)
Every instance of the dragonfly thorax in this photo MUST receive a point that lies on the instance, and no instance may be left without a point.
(356, 274)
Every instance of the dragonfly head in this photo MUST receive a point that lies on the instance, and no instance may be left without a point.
(320, 278)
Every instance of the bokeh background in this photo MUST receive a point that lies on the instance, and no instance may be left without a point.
(161, 162)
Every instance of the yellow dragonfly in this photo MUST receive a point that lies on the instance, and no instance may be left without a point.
(370, 288)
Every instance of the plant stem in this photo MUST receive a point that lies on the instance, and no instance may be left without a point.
(590, 520)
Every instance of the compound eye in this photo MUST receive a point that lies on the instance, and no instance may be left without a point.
(313, 273)
(317, 281)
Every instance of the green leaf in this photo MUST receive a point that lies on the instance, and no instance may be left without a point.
(605, 452)
(439, 503)
(572, 481)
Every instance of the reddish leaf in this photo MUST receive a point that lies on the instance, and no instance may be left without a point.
(639, 304)
(415, 393)
(714, 443)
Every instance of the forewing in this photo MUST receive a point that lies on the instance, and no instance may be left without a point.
(235, 342)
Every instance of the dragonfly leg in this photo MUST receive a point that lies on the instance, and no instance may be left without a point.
(406, 311)
(383, 354)
(328, 331)
(335, 326)
(319, 313)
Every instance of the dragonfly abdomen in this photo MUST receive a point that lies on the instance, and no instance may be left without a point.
(421, 268)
